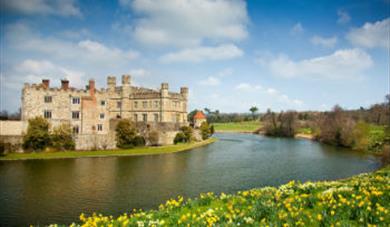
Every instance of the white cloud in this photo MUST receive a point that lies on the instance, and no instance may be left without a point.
(297, 29)
(199, 54)
(187, 23)
(139, 72)
(210, 81)
(371, 35)
(323, 41)
(248, 87)
(42, 7)
(33, 71)
(343, 17)
(22, 38)
(347, 63)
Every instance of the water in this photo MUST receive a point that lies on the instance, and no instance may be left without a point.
(57, 191)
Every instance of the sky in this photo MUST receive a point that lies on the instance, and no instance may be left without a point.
(232, 54)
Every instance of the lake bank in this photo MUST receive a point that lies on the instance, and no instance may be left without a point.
(363, 199)
(107, 153)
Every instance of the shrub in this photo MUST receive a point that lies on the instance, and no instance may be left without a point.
(212, 130)
(180, 138)
(138, 141)
(125, 134)
(187, 133)
(282, 124)
(61, 138)
(205, 130)
(153, 138)
(37, 137)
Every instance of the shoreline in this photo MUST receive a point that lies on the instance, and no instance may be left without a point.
(168, 149)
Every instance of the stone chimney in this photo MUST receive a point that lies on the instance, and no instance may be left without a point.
(45, 83)
(184, 92)
(91, 87)
(164, 89)
(65, 84)
(111, 83)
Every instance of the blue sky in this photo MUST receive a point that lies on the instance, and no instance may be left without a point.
(303, 55)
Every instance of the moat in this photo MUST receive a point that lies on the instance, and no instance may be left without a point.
(57, 191)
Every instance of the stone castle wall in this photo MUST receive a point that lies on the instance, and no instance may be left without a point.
(96, 107)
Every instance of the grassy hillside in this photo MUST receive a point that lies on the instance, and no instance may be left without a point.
(244, 126)
(362, 200)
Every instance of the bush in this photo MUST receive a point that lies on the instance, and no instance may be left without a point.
(282, 124)
(212, 130)
(205, 130)
(138, 141)
(153, 138)
(187, 133)
(180, 138)
(37, 137)
(61, 138)
(125, 134)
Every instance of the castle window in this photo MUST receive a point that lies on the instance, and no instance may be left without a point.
(155, 104)
(135, 117)
(76, 129)
(135, 104)
(102, 103)
(155, 117)
(144, 104)
(100, 127)
(145, 117)
(118, 104)
(75, 114)
(47, 114)
(102, 116)
(48, 99)
(76, 100)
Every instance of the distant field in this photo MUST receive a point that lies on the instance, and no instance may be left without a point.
(244, 126)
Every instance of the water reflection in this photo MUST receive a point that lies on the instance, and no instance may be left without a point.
(57, 191)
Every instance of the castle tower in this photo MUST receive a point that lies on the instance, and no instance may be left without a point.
(164, 102)
(111, 84)
(126, 82)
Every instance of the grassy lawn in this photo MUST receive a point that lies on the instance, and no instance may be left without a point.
(362, 200)
(244, 126)
(102, 153)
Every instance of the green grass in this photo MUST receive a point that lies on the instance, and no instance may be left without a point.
(362, 200)
(305, 131)
(103, 153)
(244, 126)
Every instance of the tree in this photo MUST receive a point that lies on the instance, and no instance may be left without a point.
(282, 124)
(205, 130)
(187, 133)
(125, 133)
(37, 137)
(62, 139)
(253, 110)
(179, 138)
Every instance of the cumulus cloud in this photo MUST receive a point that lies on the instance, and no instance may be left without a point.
(347, 63)
(21, 37)
(297, 29)
(371, 35)
(215, 79)
(323, 41)
(247, 87)
(343, 17)
(187, 23)
(210, 81)
(199, 54)
(42, 7)
(33, 71)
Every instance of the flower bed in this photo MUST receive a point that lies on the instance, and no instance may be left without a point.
(362, 200)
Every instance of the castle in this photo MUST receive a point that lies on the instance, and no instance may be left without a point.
(92, 112)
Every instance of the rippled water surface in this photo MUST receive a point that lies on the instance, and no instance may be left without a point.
(57, 191)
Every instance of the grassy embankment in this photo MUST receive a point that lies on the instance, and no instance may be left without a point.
(244, 126)
(103, 153)
(362, 200)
